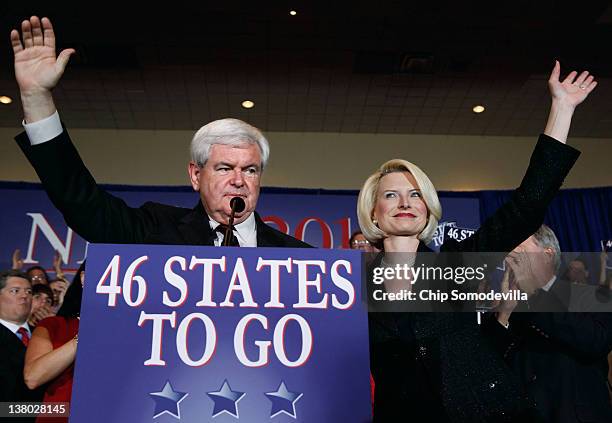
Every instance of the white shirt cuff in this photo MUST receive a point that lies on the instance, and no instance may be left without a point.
(43, 130)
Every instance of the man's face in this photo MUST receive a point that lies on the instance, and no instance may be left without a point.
(231, 171)
(532, 262)
(37, 276)
(530, 245)
(16, 300)
(576, 272)
(40, 300)
(361, 243)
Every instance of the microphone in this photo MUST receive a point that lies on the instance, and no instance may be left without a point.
(238, 205)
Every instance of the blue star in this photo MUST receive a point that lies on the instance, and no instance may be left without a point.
(283, 401)
(226, 400)
(167, 401)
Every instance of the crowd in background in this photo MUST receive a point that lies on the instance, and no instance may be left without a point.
(39, 319)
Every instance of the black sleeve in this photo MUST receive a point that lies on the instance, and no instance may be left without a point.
(585, 335)
(519, 218)
(90, 211)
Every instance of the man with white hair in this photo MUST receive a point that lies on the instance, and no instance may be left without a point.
(228, 157)
(560, 357)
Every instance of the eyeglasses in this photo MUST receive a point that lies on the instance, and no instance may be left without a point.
(38, 278)
(358, 243)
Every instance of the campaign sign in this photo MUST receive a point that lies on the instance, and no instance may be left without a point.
(458, 234)
(211, 334)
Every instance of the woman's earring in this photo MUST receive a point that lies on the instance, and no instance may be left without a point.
(375, 222)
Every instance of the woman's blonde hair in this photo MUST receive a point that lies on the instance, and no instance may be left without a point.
(367, 201)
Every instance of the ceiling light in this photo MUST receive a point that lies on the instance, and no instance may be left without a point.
(5, 99)
(292, 12)
(248, 104)
(478, 109)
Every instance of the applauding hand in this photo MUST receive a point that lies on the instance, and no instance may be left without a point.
(17, 260)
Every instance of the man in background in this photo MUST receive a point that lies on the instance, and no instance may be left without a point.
(560, 357)
(578, 271)
(15, 334)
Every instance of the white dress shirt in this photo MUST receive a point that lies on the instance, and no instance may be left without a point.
(43, 130)
(550, 283)
(246, 232)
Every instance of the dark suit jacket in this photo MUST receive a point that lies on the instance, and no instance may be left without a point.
(12, 355)
(446, 352)
(561, 359)
(100, 217)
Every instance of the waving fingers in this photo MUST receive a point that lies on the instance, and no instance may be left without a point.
(588, 84)
(49, 35)
(37, 35)
(554, 75)
(16, 41)
(580, 80)
(26, 33)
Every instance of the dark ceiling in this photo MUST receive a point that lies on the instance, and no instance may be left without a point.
(379, 67)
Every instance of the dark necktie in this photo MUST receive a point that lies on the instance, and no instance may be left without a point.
(233, 240)
(25, 336)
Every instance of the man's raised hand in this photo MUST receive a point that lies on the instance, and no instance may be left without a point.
(37, 68)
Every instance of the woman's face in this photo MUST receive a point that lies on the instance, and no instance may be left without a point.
(400, 209)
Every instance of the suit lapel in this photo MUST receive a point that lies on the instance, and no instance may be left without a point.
(195, 227)
(265, 235)
(10, 339)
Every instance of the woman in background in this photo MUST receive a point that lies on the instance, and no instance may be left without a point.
(51, 352)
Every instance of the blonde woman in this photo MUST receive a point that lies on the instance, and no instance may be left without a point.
(437, 366)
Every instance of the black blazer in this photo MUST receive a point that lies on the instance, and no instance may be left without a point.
(560, 357)
(12, 356)
(98, 216)
(445, 353)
